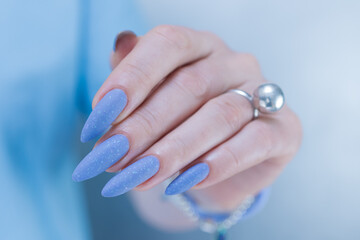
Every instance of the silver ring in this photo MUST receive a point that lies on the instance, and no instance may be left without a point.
(267, 98)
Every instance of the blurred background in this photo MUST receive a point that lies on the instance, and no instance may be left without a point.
(310, 48)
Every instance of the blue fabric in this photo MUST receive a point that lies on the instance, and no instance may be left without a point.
(53, 57)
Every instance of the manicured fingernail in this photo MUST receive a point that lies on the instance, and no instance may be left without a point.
(105, 112)
(132, 176)
(188, 179)
(121, 36)
(101, 158)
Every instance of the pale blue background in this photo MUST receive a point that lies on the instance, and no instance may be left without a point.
(54, 55)
(311, 48)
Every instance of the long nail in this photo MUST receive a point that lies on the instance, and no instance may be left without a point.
(132, 176)
(105, 112)
(188, 179)
(101, 158)
(121, 36)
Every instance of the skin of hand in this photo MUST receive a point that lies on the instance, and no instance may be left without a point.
(178, 110)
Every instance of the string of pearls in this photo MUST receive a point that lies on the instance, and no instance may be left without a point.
(210, 225)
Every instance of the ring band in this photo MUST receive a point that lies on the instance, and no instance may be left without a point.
(267, 98)
(248, 97)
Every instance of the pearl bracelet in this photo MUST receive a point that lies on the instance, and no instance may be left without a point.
(210, 222)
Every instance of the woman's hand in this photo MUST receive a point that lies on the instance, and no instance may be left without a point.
(169, 112)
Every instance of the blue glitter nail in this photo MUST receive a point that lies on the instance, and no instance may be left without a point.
(105, 112)
(188, 179)
(101, 158)
(132, 176)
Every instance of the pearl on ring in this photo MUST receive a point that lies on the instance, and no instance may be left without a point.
(268, 98)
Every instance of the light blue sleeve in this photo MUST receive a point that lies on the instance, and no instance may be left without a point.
(38, 121)
(100, 25)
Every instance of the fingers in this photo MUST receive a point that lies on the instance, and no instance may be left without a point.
(264, 138)
(252, 145)
(155, 56)
(187, 89)
(216, 121)
(243, 154)
(163, 105)
(230, 193)
(259, 140)
(180, 96)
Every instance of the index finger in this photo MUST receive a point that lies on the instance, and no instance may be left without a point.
(156, 55)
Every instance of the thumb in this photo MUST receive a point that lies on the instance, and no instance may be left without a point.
(124, 42)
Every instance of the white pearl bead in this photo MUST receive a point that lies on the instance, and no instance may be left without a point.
(268, 98)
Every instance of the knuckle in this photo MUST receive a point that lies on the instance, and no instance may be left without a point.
(248, 62)
(248, 67)
(174, 36)
(147, 120)
(165, 29)
(251, 59)
(217, 41)
(294, 131)
(178, 147)
(298, 129)
(231, 156)
(193, 83)
(227, 112)
(264, 134)
(136, 73)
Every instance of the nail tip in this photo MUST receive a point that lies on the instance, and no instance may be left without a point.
(108, 195)
(173, 189)
(109, 192)
(75, 178)
(83, 138)
(78, 177)
(188, 179)
(86, 134)
(154, 161)
(105, 194)
(171, 192)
